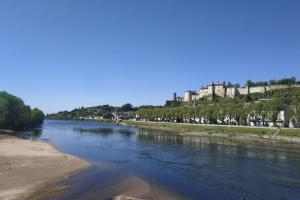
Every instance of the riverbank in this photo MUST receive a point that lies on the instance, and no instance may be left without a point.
(26, 167)
(236, 132)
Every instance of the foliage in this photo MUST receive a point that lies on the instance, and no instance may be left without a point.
(280, 93)
(229, 84)
(297, 111)
(37, 117)
(284, 81)
(255, 84)
(102, 111)
(15, 115)
(294, 109)
(149, 106)
(223, 111)
(126, 107)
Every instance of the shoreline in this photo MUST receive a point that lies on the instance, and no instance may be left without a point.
(231, 132)
(31, 169)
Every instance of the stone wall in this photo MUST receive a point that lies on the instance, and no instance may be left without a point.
(231, 92)
(203, 92)
(195, 97)
(242, 91)
(220, 90)
(277, 87)
(258, 89)
(295, 86)
(210, 91)
(187, 96)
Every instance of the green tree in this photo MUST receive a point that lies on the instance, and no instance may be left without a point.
(229, 84)
(37, 117)
(127, 107)
(249, 83)
(14, 114)
(273, 108)
(297, 111)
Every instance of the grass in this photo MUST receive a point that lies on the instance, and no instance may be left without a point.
(290, 132)
(214, 128)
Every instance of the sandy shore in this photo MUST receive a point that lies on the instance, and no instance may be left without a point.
(129, 187)
(135, 188)
(26, 166)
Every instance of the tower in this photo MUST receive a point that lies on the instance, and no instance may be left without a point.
(188, 96)
(174, 97)
(211, 91)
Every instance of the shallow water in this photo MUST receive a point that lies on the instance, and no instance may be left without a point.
(194, 167)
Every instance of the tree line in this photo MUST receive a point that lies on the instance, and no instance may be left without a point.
(15, 115)
(283, 81)
(250, 83)
(104, 111)
(227, 111)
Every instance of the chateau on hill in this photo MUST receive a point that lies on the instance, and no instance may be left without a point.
(220, 89)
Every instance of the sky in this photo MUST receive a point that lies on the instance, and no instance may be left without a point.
(63, 54)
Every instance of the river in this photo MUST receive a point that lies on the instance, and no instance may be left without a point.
(190, 166)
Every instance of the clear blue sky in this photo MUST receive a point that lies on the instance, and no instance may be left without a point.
(60, 54)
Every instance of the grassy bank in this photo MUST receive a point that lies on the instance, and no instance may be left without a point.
(214, 128)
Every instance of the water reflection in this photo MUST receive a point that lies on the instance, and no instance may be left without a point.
(33, 134)
(36, 134)
(227, 165)
(249, 149)
(103, 131)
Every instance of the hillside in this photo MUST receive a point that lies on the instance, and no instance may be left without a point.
(287, 93)
(280, 93)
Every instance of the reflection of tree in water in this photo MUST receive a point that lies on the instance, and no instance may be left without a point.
(33, 134)
(222, 146)
(95, 130)
(104, 131)
(36, 133)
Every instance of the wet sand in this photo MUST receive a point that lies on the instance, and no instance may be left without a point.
(135, 188)
(27, 166)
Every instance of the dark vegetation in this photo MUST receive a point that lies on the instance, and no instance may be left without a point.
(284, 81)
(105, 112)
(103, 130)
(15, 115)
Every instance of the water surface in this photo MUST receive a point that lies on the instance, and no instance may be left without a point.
(194, 167)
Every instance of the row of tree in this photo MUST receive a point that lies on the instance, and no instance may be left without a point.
(15, 115)
(227, 111)
(283, 81)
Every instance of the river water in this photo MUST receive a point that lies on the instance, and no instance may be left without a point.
(193, 167)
